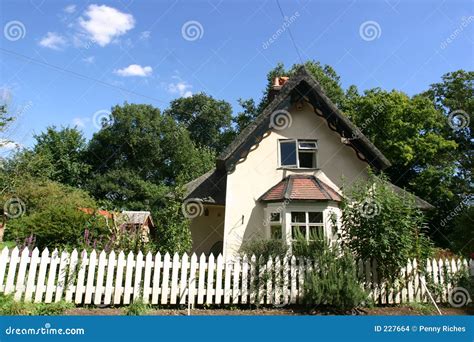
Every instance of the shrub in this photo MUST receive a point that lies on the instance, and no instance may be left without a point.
(333, 281)
(52, 309)
(136, 308)
(264, 248)
(379, 224)
(10, 307)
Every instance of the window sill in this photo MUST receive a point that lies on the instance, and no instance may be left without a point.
(298, 168)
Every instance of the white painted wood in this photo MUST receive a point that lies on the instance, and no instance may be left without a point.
(277, 296)
(4, 257)
(147, 290)
(90, 277)
(269, 293)
(301, 279)
(128, 289)
(245, 279)
(99, 287)
(193, 269)
(12, 267)
(40, 285)
(219, 283)
(166, 279)
(227, 281)
(183, 280)
(442, 279)
(64, 262)
(174, 279)
(51, 284)
(31, 282)
(201, 279)
(119, 288)
(110, 282)
(286, 281)
(210, 280)
(434, 264)
(71, 276)
(137, 288)
(416, 281)
(411, 290)
(253, 276)
(293, 290)
(20, 280)
(236, 281)
(261, 277)
(156, 290)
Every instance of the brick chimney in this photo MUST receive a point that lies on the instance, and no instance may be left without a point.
(278, 83)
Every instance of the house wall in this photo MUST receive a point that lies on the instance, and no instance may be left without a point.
(207, 230)
(337, 163)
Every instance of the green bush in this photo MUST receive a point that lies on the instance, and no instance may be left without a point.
(10, 307)
(379, 224)
(136, 308)
(264, 248)
(52, 309)
(333, 281)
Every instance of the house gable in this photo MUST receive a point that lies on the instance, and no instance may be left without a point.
(302, 86)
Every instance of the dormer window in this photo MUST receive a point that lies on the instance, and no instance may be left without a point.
(300, 154)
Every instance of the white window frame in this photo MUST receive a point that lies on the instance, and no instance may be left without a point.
(307, 224)
(299, 149)
(274, 223)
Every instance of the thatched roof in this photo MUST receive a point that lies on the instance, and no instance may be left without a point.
(299, 86)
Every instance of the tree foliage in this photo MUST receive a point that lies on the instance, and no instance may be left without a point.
(380, 225)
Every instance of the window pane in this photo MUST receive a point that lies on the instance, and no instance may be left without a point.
(308, 145)
(298, 217)
(288, 153)
(298, 232)
(276, 233)
(307, 159)
(275, 217)
(315, 217)
(316, 233)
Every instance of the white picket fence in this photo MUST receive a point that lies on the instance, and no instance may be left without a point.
(88, 278)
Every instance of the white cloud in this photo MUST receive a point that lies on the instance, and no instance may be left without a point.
(104, 23)
(8, 145)
(180, 87)
(135, 70)
(53, 41)
(145, 35)
(70, 9)
(89, 60)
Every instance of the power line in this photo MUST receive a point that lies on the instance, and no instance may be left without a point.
(289, 32)
(78, 75)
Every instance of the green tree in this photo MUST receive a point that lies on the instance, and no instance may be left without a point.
(63, 149)
(138, 154)
(324, 74)
(380, 225)
(208, 120)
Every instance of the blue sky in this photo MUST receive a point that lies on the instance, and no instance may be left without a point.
(155, 51)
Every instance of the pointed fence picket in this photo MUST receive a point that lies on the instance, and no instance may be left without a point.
(107, 278)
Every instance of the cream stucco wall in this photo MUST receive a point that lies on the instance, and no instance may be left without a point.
(207, 230)
(337, 163)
